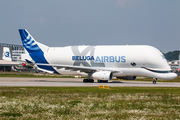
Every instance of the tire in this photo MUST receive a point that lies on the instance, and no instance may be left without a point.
(154, 82)
(105, 81)
(98, 81)
(85, 80)
(90, 80)
(102, 81)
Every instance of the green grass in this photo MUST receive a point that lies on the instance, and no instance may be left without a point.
(32, 75)
(10, 114)
(177, 79)
(89, 103)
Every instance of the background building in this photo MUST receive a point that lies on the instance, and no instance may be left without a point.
(174, 63)
(15, 52)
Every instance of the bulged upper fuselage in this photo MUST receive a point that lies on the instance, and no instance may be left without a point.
(130, 60)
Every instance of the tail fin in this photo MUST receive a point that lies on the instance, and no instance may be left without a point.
(35, 49)
(6, 54)
(30, 44)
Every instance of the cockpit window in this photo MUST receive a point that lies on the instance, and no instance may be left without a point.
(163, 57)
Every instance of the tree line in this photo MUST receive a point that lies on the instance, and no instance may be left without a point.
(172, 55)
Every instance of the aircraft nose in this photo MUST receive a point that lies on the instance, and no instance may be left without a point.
(172, 76)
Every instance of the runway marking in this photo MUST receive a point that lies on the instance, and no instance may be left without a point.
(106, 87)
(101, 86)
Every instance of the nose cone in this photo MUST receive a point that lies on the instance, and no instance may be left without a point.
(172, 76)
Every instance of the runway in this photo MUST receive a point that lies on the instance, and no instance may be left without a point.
(77, 82)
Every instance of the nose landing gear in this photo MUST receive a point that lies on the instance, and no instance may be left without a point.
(154, 80)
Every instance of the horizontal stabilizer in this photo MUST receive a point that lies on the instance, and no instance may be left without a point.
(28, 61)
(44, 70)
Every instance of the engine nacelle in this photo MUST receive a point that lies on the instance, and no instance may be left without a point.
(103, 75)
(127, 77)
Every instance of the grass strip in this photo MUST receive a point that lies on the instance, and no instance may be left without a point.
(89, 103)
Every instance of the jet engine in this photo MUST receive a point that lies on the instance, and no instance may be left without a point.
(103, 75)
(127, 77)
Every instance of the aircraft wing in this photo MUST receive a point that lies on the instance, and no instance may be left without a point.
(76, 68)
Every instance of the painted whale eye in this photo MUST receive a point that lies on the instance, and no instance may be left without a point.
(133, 64)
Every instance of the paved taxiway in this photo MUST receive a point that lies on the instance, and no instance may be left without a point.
(77, 82)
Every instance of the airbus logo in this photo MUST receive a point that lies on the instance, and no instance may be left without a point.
(100, 58)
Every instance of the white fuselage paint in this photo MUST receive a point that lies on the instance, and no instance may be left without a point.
(129, 60)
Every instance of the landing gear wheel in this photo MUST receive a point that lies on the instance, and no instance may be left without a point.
(88, 80)
(154, 82)
(105, 81)
(91, 81)
(102, 81)
(85, 80)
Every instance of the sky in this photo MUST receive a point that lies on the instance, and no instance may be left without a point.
(58, 23)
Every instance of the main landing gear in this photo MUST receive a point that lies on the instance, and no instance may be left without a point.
(102, 81)
(154, 80)
(88, 80)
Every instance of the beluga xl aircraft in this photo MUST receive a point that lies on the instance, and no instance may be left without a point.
(99, 62)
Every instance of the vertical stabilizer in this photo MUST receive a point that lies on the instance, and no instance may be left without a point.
(36, 50)
(30, 44)
(6, 54)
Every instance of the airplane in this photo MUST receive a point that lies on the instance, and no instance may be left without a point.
(102, 62)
